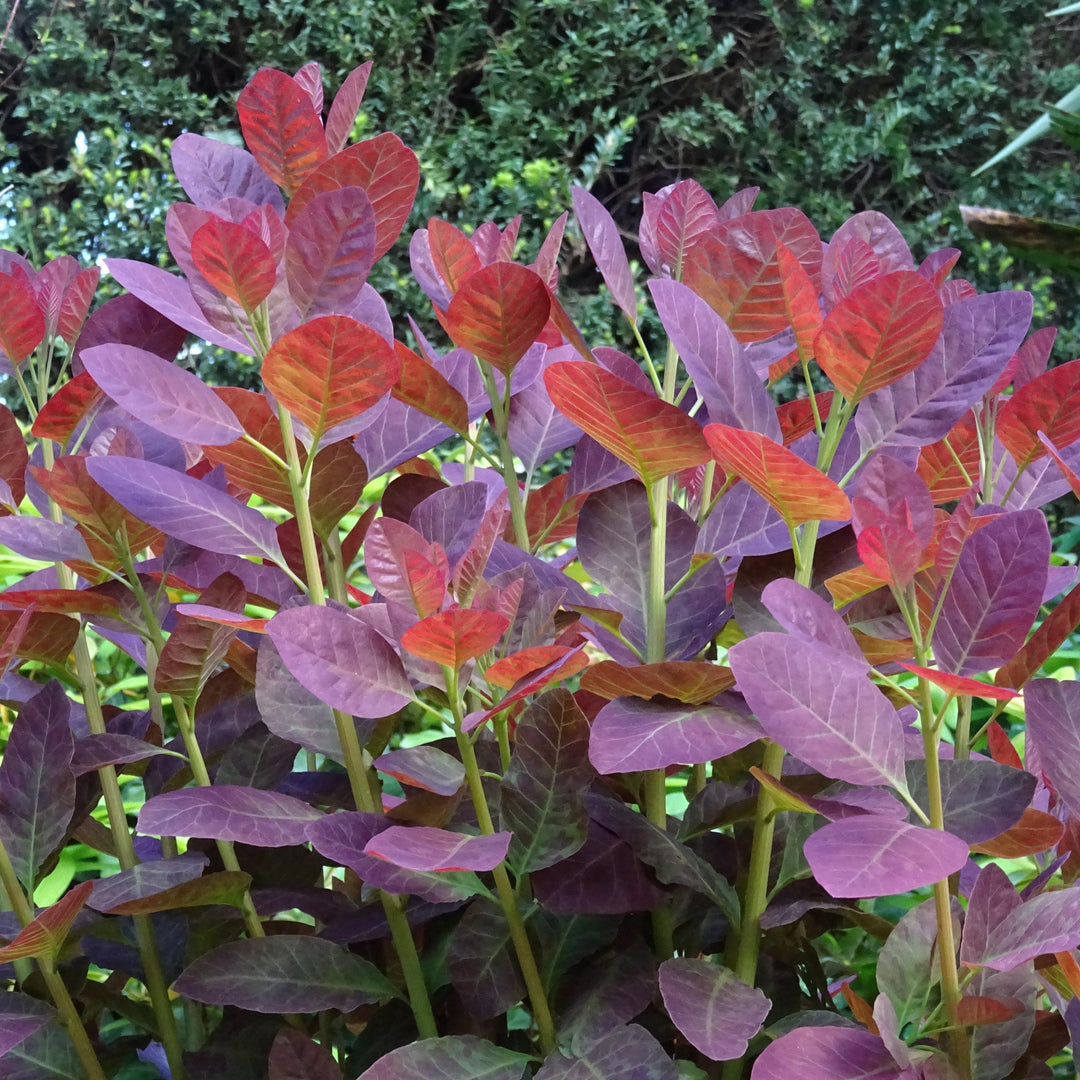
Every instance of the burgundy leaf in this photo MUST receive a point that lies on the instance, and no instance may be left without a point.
(826, 1053)
(992, 900)
(453, 1057)
(481, 961)
(433, 850)
(295, 1057)
(346, 104)
(144, 880)
(627, 1053)
(1053, 719)
(20, 1017)
(602, 236)
(424, 767)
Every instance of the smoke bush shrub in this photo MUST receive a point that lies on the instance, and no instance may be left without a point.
(455, 770)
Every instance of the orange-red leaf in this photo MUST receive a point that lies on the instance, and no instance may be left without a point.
(1050, 404)
(961, 684)
(796, 490)
(497, 313)
(425, 388)
(652, 436)
(878, 332)
(62, 601)
(800, 299)
(22, 326)
(44, 936)
(797, 417)
(506, 672)
(385, 168)
(425, 580)
(66, 408)
(454, 636)
(950, 466)
(1042, 644)
(690, 681)
(1001, 747)
(452, 252)
(235, 261)
(281, 128)
(329, 370)
(975, 1009)
(1033, 834)
(549, 514)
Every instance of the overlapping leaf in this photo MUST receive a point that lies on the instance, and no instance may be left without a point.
(235, 260)
(452, 637)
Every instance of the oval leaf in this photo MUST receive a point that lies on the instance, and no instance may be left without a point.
(235, 260)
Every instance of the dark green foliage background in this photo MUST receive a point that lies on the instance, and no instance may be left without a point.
(832, 107)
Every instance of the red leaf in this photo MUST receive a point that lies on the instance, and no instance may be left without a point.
(66, 408)
(1001, 747)
(426, 389)
(878, 332)
(797, 417)
(454, 636)
(686, 214)
(652, 436)
(309, 79)
(13, 455)
(47, 636)
(22, 326)
(62, 601)
(222, 617)
(948, 473)
(235, 261)
(735, 268)
(338, 477)
(425, 580)
(961, 684)
(690, 681)
(891, 552)
(800, 299)
(329, 370)
(1033, 834)
(796, 490)
(76, 303)
(1047, 639)
(550, 515)
(452, 252)
(385, 168)
(975, 1009)
(281, 128)
(497, 313)
(342, 116)
(1050, 404)
(44, 936)
(511, 669)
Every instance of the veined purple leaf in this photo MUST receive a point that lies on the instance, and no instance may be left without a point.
(537, 429)
(629, 734)
(452, 1057)
(628, 1053)
(20, 1017)
(868, 855)
(158, 393)
(185, 508)
(733, 393)
(811, 702)
(51, 1048)
(36, 782)
(602, 236)
(541, 792)
(433, 850)
(978, 337)
(346, 104)
(171, 296)
(330, 250)
(42, 539)
(827, 1053)
(1052, 708)
(882, 237)
(296, 1057)
(1049, 922)
(994, 594)
(481, 961)
(109, 748)
(229, 812)
(424, 767)
(210, 170)
(714, 1009)
(993, 899)
(593, 467)
(342, 661)
(996, 1047)
(145, 879)
(450, 517)
(395, 433)
(283, 974)
(811, 618)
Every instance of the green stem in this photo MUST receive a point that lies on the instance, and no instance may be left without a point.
(519, 937)
(58, 991)
(500, 408)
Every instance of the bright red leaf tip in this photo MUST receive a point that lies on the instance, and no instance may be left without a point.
(454, 636)
(235, 261)
(878, 332)
(44, 936)
(796, 490)
(22, 326)
(961, 684)
(652, 436)
(498, 312)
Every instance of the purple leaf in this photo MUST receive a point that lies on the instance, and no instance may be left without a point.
(171, 296)
(868, 855)
(716, 1011)
(594, 467)
(453, 1057)
(537, 430)
(978, 338)
(330, 250)
(94, 751)
(162, 395)
(424, 767)
(995, 1048)
(145, 879)
(992, 900)
(1052, 708)
(185, 508)
(395, 433)
(811, 618)
(342, 661)
(994, 594)
(450, 517)
(811, 702)
(245, 815)
(883, 238)
(433, 850)
(48, 1052)
(887, 492)
(628, 1053)
(283, 974)
(630, 734)
(342, 116)
(127, 320)
(1047, 923)
(36, 782)
(602, 236)
(20, 1017)
(42, 539)
(210, 170)
(295, 1057)
(733, 393)
(541, 792)
(826, 1053)
(481, 962)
